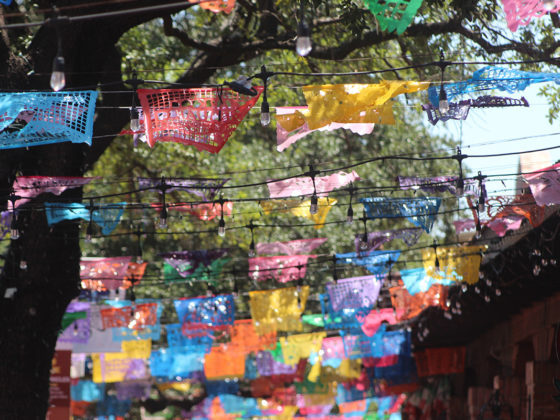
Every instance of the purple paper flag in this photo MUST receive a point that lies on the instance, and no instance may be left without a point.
(299, 246)
(355, 292)
(206, 188)
(295, 187)
(545, 185)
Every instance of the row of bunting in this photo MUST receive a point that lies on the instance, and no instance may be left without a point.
(206, 117)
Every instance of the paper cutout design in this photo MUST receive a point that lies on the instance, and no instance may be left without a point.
(211, 313)
(208, 274)
(393, 15)
(522, 205)
(100, 340)
(545, 185)
(188, 262)
(420, 211)
(107, 216)
(499, 225)
(245, 340)
(134, 317)
(301, 209)
(133, 390)
(345, 319)
(88, 391)
(267, 366)
(375, 239)
(383, 343)
(299, 246)
(116, 367)
(175, 338)
(417, 281)
(204, 211)
(104, 273)
(291, 126)
(521, 12)
(460, 110)
(216, 6)
(355, 292)
(203, 117)
(440, 184)
(353, 103)
(373, 320)
(440, 361)
(376, 262)
(37, 118)
(408, 306)
(77, 329)
(490, 78)
(457, 263)
(220, 363)
(205, 188)
(300, 346)
(28, 187)
(137, 349)
(173, 363)
(278, 309)
(295, 187)
(283, 268)
(149, 332)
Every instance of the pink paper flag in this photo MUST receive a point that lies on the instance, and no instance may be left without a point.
(502, 225)
(373, 320)
(109, 272)
(545, 185)
(521, 12)
(299, 246)
(287, 136)
(28, 187)
(282, 268)
(295, 187)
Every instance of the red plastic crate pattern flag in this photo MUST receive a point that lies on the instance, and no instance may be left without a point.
(201, 117)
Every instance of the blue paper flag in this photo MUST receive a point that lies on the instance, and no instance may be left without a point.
(107, 216)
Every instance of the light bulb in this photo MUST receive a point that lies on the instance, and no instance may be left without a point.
(350, 216)
(443, 103)
(498, 292)
(477, 290)
(536, 270)
(464, 287)
(481, 204)
(252, 250)
(134, 119)
(487, 298)
(448, 315)
(549, 5)
(436, 263)
(14, 233)
(460, 187)
(75, 332)
(58, 79)
(89, 232)
(139, 259)
(88, 238)
(363, 242)
(23, 265)
(222, 228)
(265, 113)
(163, 222)
(313, 208)
(303, 42)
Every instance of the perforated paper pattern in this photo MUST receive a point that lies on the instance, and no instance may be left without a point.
(545, 185)
(301, 208)
(203, 117)
(375, 239)
(352, 102)
(295, 187)
(355, 292)
(28, 187)
(420, 211)
(107, 216)
(216, 6)
(36, 118)
(376, 262)
(282, 268)
(137, 317)
(204, 211)
(245, 340)
(175, 338)
(394, 15)
(457, 263)
(205, 188)
(345, 319)
(521, 12)
(104, 273)
(408, 306)
(298, 246)
(300, 346)
(187, 262)
(205, 313)
(278, 309)
(492, 77)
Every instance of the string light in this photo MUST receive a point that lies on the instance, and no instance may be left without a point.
(314, 207)
(251, 252)
(265, 108)
(436, 262)
(460, 183)
(163, 213)
(58, 78)
(443, 103)
(482, 192)
(89, 229)
(350, 212)
(303, 41)
(221, 223)
(363, 245)
(139, 258)
(14, 232)
(134, 114)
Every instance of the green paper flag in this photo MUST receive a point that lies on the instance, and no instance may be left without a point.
(394, 14)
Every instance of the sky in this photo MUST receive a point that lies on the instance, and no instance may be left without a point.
(500, 126)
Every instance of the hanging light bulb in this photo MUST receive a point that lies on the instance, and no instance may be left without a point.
(163, 217)
(464, 287)
(460, 186)
(58, 79)
(443, 103)
(549, 5)
(350, 215)
(89, 231)
(436, 261)
(477, 290)
(265, 112)
(23, 265)
(252, 252)
(222, 227)
(498, 292)
(75, 332)
(314, 208)
(364, 242)
(134, 119)
(303, 41)
(14, 232)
